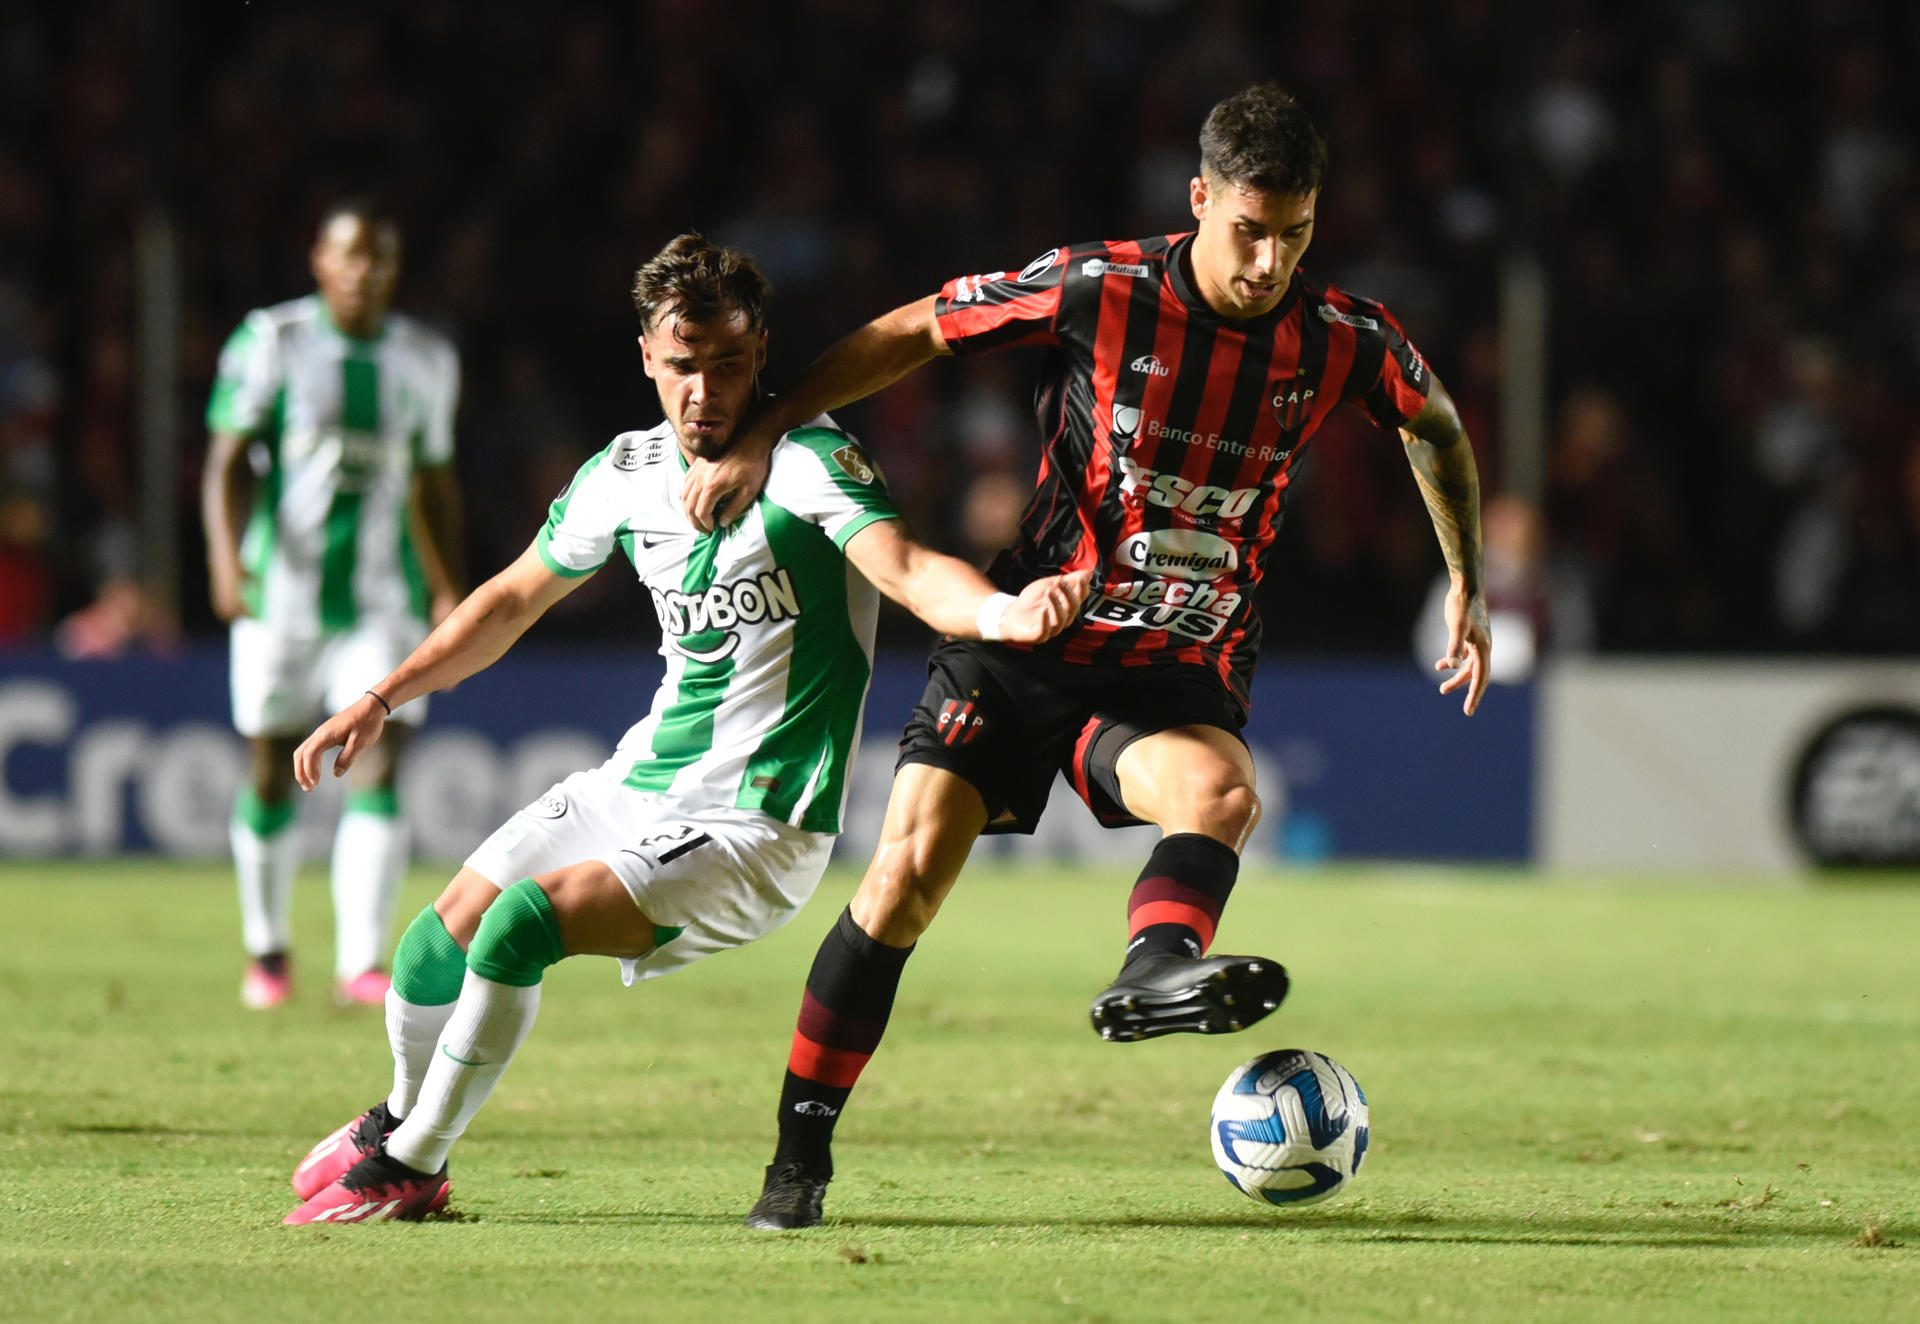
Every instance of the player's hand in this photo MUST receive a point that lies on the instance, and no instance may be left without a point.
(721, 491)
(1469, 647)
(353, 730)
(1045, 608)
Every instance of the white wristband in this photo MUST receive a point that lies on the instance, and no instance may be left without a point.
(991, 611)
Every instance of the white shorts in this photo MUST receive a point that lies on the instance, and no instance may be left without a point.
(283, 684)
(723, 877)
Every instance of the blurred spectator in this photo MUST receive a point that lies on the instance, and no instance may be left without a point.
(1617, 538)
(990, 516)
(1529, 613)
(1726, 198)
(25, 585)
(29, 468)
(123, 614)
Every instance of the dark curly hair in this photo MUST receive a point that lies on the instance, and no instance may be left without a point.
(701, 281)
(1260, 137)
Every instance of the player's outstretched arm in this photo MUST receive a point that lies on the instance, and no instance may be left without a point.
(472, 639)
(1442, 461)
(853, 368)
(956, 599)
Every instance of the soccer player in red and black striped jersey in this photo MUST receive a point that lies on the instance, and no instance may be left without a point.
(1185, 376)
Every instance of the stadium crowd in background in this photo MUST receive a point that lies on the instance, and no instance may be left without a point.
(1725, 197)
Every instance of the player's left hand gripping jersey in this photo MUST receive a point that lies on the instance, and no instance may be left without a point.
(766, 627)
(1170, 434)
(340, 425)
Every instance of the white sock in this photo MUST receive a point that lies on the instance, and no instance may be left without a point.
(266, 867)
(369, 862)
(488, 1025)
(413, 1032)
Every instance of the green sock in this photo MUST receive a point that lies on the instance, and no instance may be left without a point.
(428, 966)
(518, 937)
(258, 816)
(382, 801)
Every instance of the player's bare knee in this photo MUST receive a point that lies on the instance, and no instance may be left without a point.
(912, 916)
(271, 769)
(899, 897)
(375, 770)
(1238, 806)
(1224, 808)
(897, 926)
(462, 904)
(377, 778)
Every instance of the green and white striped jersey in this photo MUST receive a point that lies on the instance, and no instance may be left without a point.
(766, 627)
(340, 426)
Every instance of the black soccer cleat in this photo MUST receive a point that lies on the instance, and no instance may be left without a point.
(1161, 993)
(790, 1198)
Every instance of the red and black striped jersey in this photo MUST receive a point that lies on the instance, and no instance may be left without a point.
(1170, 434)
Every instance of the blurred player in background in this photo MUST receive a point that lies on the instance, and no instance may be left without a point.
(1186, 374)
(338, 415)
(713, 820)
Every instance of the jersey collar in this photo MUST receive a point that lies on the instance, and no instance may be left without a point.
(326, 320)
(1179, 275)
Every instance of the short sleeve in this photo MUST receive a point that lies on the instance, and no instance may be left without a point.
(247, 386)
(584, 523)
(436, 435)
(1399, 390)
(826, 478)
(998, 309)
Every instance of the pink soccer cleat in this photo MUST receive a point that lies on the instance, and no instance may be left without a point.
(375, 1189)
(328, 1161)
(267, 982)
(367, 989)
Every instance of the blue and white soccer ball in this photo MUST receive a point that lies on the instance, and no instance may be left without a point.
(1289, 1127)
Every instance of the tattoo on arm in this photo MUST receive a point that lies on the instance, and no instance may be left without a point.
(1442, 461)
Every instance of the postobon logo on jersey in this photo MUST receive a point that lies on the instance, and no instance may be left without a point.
(705, 626)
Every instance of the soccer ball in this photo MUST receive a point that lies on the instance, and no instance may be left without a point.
(1289, 1127)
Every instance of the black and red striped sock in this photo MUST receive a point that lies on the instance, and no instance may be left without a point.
(842, 1016)
(1177, 902)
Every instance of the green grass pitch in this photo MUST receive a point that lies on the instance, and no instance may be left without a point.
(1589, 1102)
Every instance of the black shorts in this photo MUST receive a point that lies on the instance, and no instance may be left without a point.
(1006, 720)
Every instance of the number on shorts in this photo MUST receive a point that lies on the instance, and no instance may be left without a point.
(671, 843)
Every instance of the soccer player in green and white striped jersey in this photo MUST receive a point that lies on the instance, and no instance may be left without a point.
(340, 413)
(713, 820)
